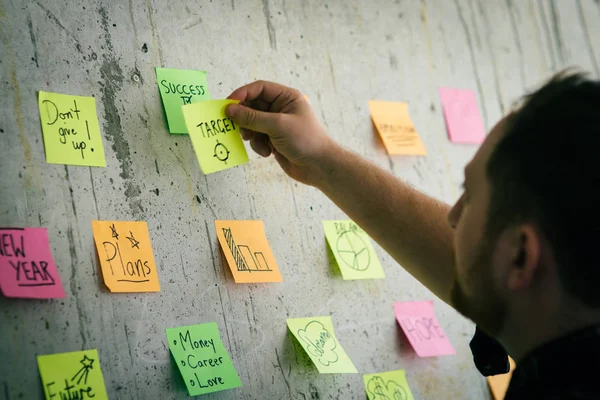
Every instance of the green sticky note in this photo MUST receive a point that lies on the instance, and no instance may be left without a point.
(387, 385)
(215, 137)
(70, 129)
(317, 338)
(202, 359)
(178, 87)
(353, 251)
(75, 375)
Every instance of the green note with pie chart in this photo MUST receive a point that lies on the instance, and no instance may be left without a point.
(216, 138)
(352, 250)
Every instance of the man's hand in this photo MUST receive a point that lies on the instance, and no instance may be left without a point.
(277, 119)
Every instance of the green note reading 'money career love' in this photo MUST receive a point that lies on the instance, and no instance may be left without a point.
(178, 87)
(202, 359)
(215, 137)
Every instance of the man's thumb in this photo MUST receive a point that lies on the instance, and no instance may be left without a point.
(249, 118)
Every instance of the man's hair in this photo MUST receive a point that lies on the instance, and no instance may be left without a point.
(546, 170)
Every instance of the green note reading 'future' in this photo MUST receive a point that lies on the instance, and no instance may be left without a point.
(202, 359)
(75, 375)
(178, 87)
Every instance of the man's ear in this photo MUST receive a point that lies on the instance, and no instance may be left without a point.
(526, 256)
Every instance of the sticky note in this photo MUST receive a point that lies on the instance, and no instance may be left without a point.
(247, 251)
(202, 358)
(75, 375)
(178, 87)
(317, 338)
(125, 255)
(27, 268)
(70, 129)
(418, 321)
(461, 112)
(387, 385)
(395, 127)
(499, 383)
(353, 251)
(216, 138)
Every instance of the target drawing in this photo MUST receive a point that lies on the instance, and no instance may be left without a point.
(353, 251)
(221, 152)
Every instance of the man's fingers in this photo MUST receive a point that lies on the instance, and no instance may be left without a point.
(246, 134)
(258, 121)
(260, 144)
(267, 91)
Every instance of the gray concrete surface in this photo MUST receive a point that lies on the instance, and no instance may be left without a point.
(341, 54)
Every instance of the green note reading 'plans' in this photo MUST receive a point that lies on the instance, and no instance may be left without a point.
(178, 87)
(202, 359)
(215, 137)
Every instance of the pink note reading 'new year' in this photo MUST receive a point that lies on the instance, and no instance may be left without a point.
(27, 268)
(418, 321)
(461, 112)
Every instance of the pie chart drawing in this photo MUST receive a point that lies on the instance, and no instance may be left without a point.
(353, 251)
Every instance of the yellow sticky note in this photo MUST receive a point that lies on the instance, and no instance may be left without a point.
(353, 251)
(125, 255)
(215, 137)
(70, 129)
(247, 251)
(317, 338)
(75, 375)
(499, 383)
(395, 127)
(387, 385)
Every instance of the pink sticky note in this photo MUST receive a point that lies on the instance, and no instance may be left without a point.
(27, 268)
(418, 321)
(462, 116)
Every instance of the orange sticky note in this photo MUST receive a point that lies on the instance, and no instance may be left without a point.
(247, 251)
(499, 383)
(125, 255)
(395, 127)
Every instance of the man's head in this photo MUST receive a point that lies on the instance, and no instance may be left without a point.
(528, 215)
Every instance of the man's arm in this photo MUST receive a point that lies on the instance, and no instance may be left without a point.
(408, 224)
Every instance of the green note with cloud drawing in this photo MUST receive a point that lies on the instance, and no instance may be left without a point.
(387, 385)
(316, 336)
(353, 251)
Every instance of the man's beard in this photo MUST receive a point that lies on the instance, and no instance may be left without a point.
(485, 307)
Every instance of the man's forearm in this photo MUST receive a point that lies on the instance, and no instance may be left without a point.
(408, 224)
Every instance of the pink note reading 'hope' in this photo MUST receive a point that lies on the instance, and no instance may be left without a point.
(418, 321)
(461, 112)
(27, 268)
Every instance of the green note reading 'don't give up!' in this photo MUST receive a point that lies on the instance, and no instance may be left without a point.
(215, 137)
(71, 131)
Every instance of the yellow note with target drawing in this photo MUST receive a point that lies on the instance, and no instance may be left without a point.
(125, 255)
(352, 250)
(215, 137)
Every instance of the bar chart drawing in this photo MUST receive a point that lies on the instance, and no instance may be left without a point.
(245, 259)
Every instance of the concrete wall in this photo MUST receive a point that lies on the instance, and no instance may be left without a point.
(341, 54)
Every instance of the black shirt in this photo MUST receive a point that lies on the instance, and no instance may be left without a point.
(565, 368)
